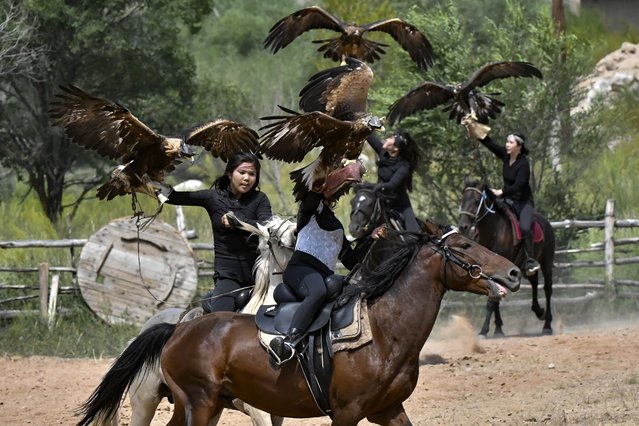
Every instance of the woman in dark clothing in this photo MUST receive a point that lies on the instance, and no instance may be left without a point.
(237, 191)
(320, 243)
(398, 157)
(516, 189)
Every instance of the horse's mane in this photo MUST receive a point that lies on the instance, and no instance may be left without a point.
(262, 268)
(386, 259)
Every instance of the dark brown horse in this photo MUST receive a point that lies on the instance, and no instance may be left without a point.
(211, 360)
(368, 210)
(482, 220)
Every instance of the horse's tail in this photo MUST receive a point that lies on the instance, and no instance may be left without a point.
(143, 352)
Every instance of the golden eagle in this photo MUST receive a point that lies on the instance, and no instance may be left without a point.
(351, 43)
(464, 98)
(145, 155)
(335, 119)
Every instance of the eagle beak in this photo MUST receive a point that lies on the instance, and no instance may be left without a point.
(187, 152)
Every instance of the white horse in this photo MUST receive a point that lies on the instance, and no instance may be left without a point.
(276, 244)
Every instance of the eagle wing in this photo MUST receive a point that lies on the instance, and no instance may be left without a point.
(223, 138)
(409, 37)
(341, 92)
(427, 95)
(291, 137)
(497, 70)
(290, 27)
(101, 125)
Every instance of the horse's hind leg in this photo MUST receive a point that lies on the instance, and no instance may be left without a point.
(548, 293)
(395, 416)
(489, 312)
(145, 397)
(534, 284)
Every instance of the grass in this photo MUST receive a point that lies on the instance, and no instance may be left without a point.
(80, 335)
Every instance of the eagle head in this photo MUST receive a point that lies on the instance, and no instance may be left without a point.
(375, 123)
(187, 152)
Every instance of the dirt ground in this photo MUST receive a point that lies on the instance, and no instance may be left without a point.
(576, 377)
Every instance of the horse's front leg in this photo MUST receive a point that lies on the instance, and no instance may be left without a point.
(489, 312)
(258, 417)
(394, 416)
(498, 320)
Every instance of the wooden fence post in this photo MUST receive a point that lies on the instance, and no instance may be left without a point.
(609, 244)
(43, 277)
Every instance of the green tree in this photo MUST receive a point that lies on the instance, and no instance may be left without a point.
(132, 52)
(533, 107)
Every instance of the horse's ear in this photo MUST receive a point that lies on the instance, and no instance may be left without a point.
(430, 228)
(468, 181)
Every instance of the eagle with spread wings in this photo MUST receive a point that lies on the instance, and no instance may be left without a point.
(465, 98)
(351, 42)
(145, 155)
(335, 119)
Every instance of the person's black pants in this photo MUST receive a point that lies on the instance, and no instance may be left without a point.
(308, 285)
(231, 275)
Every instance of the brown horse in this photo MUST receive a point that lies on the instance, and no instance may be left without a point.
(212, 360)
(489, 226)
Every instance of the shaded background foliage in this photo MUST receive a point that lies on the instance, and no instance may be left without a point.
(178, 63)
(175, 64)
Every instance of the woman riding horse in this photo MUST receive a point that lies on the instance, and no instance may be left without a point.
(237, 191)
(320, 243)
(398, 157)
(516, 190)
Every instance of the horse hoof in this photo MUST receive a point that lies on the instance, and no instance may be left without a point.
(547, 331)
(498, 333)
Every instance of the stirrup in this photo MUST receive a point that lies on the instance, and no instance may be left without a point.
(532, 266)
(280, 350)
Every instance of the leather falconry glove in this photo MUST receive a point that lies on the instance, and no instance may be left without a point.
(475, 129)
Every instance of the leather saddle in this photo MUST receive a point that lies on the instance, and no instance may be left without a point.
(276, 319)
(316, 351)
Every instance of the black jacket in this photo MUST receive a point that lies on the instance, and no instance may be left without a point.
(393, 174)
(230, 243)
(516, 176)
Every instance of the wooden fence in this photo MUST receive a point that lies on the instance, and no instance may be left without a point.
(47, 289)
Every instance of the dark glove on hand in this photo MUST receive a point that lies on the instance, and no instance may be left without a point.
(162, 191)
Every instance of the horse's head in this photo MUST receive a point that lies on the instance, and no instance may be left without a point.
(469, 266)
(472, 206)
(276, 244)
(365, 211)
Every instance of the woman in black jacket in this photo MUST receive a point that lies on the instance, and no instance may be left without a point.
(321, 241)
(516, 190)
(237, 191)
(398, 157)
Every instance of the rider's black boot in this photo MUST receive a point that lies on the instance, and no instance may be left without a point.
(283, 349)
(531, 265)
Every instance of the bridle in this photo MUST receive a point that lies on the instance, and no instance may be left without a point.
(449, 254)
(275, 238)
(373, 218)
(482, 209)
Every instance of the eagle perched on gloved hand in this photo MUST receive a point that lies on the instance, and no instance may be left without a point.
(462, 99)
(335, 119)
(351, 42)
(145, 155)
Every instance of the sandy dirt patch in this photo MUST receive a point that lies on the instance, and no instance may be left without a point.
(575, 377)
